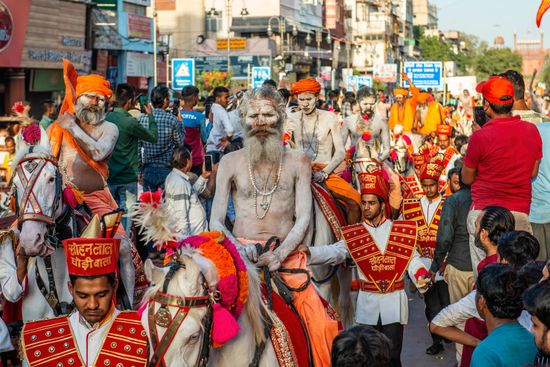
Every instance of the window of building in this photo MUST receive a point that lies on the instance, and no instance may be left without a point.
(214, 23)
(134, 9)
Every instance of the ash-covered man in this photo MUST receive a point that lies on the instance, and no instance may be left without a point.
(383, 250)
(368, 130)
(96, 333)
(317, 133)
(272, 196)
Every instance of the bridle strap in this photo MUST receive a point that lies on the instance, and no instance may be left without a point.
(160, 348)
(28, 196)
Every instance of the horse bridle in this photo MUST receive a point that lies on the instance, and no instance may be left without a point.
(163, 318)
(34, 164)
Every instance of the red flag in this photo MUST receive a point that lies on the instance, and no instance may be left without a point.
(544, 6)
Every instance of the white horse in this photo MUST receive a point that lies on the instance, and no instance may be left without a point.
(43, 217)
(196, 278)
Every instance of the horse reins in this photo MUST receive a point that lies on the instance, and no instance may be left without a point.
(163, 318)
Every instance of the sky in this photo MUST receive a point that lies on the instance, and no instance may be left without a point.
(490, 18)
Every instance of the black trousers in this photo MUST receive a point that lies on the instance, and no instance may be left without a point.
(394, 332)
(436, 298)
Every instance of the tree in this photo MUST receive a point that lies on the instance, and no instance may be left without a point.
(545, 74)
(495, 61)
(435, 49)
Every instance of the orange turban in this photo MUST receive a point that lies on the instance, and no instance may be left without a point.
(93, 83)
(423, 97)
(308, 85)
(400, 91)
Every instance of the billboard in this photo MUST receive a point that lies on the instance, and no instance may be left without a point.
(425, 74)
(259, 75)
(183, 73)
(385, 73)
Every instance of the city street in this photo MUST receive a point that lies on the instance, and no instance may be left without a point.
(417, 339)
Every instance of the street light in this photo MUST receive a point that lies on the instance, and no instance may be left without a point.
(282, 31)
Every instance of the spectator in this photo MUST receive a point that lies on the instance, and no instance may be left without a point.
(517, 248)
(361, 345)
(454, 180)
(539, 215)
(156, 157)
(222, 129)
(182, 195)
(452, 242)
(48, 110)
(194, 124)
(235, 119)
(499, 303)
(537, 301)
(270, 82)
(332, 103)
(349, 99)
(123, 164)
(520, 108)
(498, 165)
(9, 144)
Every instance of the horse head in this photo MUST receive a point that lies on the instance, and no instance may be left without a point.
(186, 279)
(37, 187)
(191, 286)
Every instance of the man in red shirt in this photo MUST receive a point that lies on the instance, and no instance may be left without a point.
(501, 159)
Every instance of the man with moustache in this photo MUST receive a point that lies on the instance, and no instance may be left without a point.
(83, 141)
(271, 192)
(367, 130)
(317, 133)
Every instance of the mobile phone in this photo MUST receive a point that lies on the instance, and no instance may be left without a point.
(480, 117)
(208, 162)
(142, 103)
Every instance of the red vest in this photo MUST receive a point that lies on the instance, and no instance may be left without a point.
(382, 270)
(412, 210)
(414, 186)
(50, 342)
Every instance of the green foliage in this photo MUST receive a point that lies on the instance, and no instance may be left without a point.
(545, 74)
(435, 49)
(376, 85)
(495, 61)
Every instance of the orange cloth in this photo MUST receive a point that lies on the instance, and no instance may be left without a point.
(93, 83)
(57, 134)
(308, 85)
(338, 185)
(543, 7)
(101, 202)
(321, 328)
(434, 117)
(404, 115)
(400, 92)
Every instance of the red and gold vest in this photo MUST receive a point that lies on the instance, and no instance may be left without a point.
(50, 342)
(427, 233)
(414, 186)
(383, 271)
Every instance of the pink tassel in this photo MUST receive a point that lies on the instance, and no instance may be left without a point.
(69, 198)
(224, 326)
(346, 175)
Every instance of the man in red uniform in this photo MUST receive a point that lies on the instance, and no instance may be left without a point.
(426, 212)
(410, 185)
(96, 333)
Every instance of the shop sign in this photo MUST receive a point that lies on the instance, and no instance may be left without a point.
(139, 27)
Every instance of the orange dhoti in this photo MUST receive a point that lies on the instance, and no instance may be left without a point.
(102, 202)
(338, 185)
(321, 328)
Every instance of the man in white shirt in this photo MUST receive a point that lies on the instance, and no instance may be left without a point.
(426, 213)
(182, 195)
(222, 128)
(96, 333)
(383, 251)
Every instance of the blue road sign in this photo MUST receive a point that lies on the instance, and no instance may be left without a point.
(425, 74)
(259, 75)
(183, 73)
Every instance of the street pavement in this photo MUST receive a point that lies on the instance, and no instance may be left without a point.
(417, 339)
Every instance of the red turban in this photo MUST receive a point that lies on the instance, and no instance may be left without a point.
(93, 83)
(308, 85)
(432, 170)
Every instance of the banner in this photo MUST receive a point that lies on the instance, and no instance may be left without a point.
(424, 74)
(14, 17)
(385, 73)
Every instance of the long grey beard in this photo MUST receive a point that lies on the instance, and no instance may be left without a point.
(87, 114)
(264, 150)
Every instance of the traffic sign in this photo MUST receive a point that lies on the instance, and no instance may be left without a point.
(259, 75)
(356, 82)
(183, 73)
(425, 74)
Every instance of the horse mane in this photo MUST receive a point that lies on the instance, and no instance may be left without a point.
(38, 151)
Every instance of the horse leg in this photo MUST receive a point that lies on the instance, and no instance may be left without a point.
(345, 304)
(127, 271)
(322, 236)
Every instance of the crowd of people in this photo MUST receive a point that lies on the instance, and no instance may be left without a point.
(454, 199)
